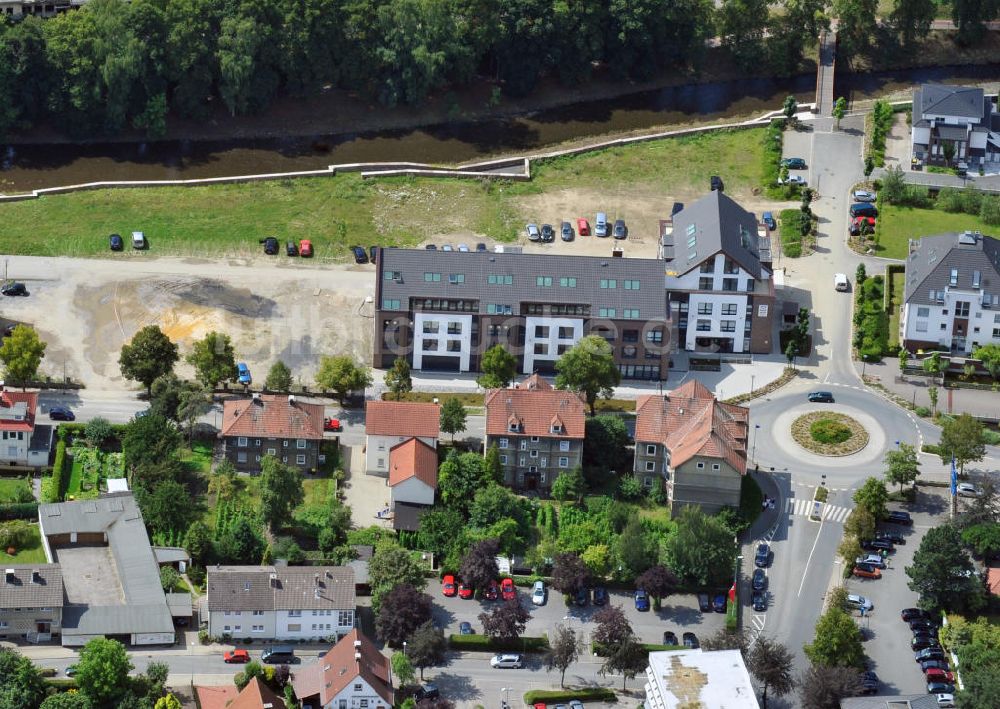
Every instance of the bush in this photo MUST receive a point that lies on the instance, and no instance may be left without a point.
(931, 448)
(593, 694)
(18, 510)
(923, 412)
(829, 431)
(60, 480)
(989, 212)
(790, 232)
(483, 643)
(822, 493)
(991, 438)
(882, 117)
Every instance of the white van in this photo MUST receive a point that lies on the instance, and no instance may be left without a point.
(601, 224)
(138, 240)
(840, 282)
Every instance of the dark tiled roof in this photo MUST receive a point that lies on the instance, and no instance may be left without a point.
(715, 223)
(21, 591)
(257, 695)
(944, 100)
(932, 259)
(272, 416)
(249, 588)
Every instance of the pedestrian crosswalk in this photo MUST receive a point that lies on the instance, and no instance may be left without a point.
(803, 508)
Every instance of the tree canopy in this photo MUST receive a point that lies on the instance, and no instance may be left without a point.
(701, 551)
(942, 572)
(401, 611)
(397, 379)
(962, 437)
(452, 416)
(21, 354)
(281, 491)
(342, 375)
(149, 355)
(279, 377)
(498, 366)
(588, 367)
(213, 359)
(102, 671)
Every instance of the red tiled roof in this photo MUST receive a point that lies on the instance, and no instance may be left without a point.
(257, 695)
(993, 581)
(339, 668)
(272, 416)
(535, 409)
(690, 422)
(413, 458)
(9, 399)
(402, 418)
(216, 697)
(533, 382)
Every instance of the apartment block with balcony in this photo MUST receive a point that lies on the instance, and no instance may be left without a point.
(954, 124)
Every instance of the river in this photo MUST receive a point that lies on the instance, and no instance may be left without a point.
(31, 166)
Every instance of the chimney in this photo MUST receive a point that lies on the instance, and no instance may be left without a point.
(357, 643)
(274, 580)
(36, 577)
(291, 399)
(9, 576)
(357, 657)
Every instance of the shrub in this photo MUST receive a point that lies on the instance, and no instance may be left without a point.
(829, 431)
(60, 480)
(949, 199)
(882, 117)
(482, 643)
(989, 212)
(922, 411)
(931, 448)
(593, 694)
(18, 510)
(822, 493)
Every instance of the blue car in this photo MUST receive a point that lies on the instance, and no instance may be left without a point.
(641, 600)
(243, 373)
(768, 220)
(719, 603)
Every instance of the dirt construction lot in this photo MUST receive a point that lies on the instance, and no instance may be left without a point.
(85, 309)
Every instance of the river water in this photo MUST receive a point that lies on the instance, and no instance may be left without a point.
(31, 166)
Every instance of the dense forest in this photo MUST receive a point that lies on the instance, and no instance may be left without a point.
(115, 64)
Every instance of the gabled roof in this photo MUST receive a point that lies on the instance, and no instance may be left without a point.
(251, 588)
(17, 410)
(340, 666)
(534, 410)
(944, 100)
(216, 697)
(31, 586)
(690, 422)
(272, 416)
(402, 418)
(413, 459)
(713, 224)
(932, 259)
(257, 695)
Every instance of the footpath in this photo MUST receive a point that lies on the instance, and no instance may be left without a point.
(915, 390)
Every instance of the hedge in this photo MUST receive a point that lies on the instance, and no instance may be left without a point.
(882, 118)
(601, 650)
(56, 488)
(18, 510)
(593, 694)
(79, 429)
(483, 643)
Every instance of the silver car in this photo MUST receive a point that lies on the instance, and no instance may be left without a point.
(533, 233)
(538, 593)
(864, 196)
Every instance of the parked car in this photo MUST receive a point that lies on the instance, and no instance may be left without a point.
(431, 247)
(794, 163)
(139, 240)
(861, 225)
(704, 603)
(716, 183)
(330, 424)
(15, 288)
(690, 640)
(481, 248)
(566, 231)
(601, 225)
(538, 593)
(70, 670)
(492, 591)
(427, 691)
(507, 590)
(581, 597)
(759, 582)
(857, 601)
(270, 245)
(641, 599)
(763, 556)
(820, 397)
(447, 247)
(306, 249)
(877, 545)
(864, 196)
(869, 683)
(116, 242)
(875, 560)
(291, 249)
(931, 653)
(923, 642)
(465, 590)
(759, 601)
(620, 231)
(236, 656)
(507, 660)
(461, 247)
(61, 413)
(922, 624)
(866, 571)
(465, 628)
(967, 490)
(600, 595)
(899, 517)
(548, 233)
(938, 675)
(792, 180)
(894, 537)
(934, 665)
(670, 638)
(863, 209)
(840, 282)
(243, 374)
(940, 688)
(359, 254)
(448, 587)
(769, 221)
(945, 701)
(582, 226)
(719, 603)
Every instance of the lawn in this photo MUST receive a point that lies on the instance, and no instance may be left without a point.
(335, 212)
(198, 458)
(897, 286)
(33, 553)
(11, 487)
(900, 224)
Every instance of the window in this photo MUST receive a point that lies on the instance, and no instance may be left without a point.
(544, 281)
(996, 332)
(432, 277)
(953, 281)
(543, 461)
(704, 308)
(256, 458)
(730, 284)
(541, 348)
(729, 308)
(503, 460)
(429, 345)
(607, 312)
(730, 267)
(609, 283)
(241, 457)
(294, 614)
(630, 336)
(533, 454)
(564, 446)
(728, 326)
(650, 449)
(345, 618)
(962, 309)
(700, 466)
(456, 278)
(921, 327)
(631, 285)
(524, 441)
(454, 328)
(534, 439)
(716, 466)
(923, 312)
(654, 336)
(704, 325)
(300, 443)
(541, 331)
(257, 628)
(943, 326)
(272, 451)
(497, 279)
(565, 333)
(431, 327)
(650, 466)
(567, 282)
(705, 283)
(708, 266)
(380, 463)
(498, 309)
(390, 304)
(504, 442)
(520, 461)
(631, 313)
(563, 462)
(241, 442)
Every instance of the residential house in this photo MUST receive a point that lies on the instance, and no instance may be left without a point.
(23, 441)
(256, 695)
(538, 430)
(389, 423)
(280, 602)
(443, 310)
(271, 424)
(719, 279)
(894, 701)
(695, 444)
(951, 299)
(676, 679)
(31, 602)
(353, 674)
(953, 124)
(16, 9)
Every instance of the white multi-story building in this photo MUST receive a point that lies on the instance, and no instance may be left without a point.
(24, 442)
(953, 124)
(389, 423)
(952, 293)
(281, 603)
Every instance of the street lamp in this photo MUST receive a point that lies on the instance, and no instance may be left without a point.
(404, 647)
(504, 692)
(751, 385)
(753, 452)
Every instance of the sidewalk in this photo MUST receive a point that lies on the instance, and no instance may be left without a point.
(914, 389)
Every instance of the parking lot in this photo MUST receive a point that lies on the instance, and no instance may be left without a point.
(798, 144)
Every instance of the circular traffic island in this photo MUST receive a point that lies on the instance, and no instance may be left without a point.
(829, 433)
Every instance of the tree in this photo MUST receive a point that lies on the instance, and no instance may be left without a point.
(440, 528)
(459, 477)
(981, 687)
(402, 668)
(969, 16)
(279, 377)
(569, 573)
(837, 642)
(198, 541)
(21, 684)
(169, 578)
(498, 366)
(251, 670)
(342, 375)
(398, 379)
(857, 24)
(166, 505)
(168, 702)
(479, 565)
(963, 438)
(401, 612)
(634, 550)
(194, 403)
(989, 355)
(771, 663)
(983, 539)
(492, 466)
(725, 639)
(213, 359)
(904, 360)
(701, 551)
(741, 25)
(589, 369)
(605, 445)
(932, 394)
(102, 671)
(452, 416)
(658, 581)
(612, 626)
(942, 572)
(240, 543)
(839, 111)
(165, 395)
(902, 466)
(629, 658)
(932, 364)
(505, 622)
(98, 431)
(149, 439)
(564, 650)
(148, 356)
(392, 566)
(873, 497)
(427, 647)
(597, 557)
(791, 352)
(791, 105)
(280, 491)
(569, 485)
(912, 19)
(21, 353)
(823, 686)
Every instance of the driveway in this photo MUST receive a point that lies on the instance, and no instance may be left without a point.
(798, 144)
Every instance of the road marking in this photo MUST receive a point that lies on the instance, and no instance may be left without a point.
(809, 560)
(803, 508)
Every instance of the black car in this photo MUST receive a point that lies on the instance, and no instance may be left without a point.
(908, 614)
(763, 556)
(759, 601)
(716, 183)
(869, 683)
(116, 242)
(481, 248)
(922, 624)
(921, 633)
(923, 642)
(431, 247)
(877, 545)
(14, 289)
(934, 665)
(548, 233)
(270, 245)
(822, 397)
(899, 517)
(373, 252)
(690, 640)
(620, 231)
(600, 596)
(566, 231)
(940, 688)
(291, 249)
(426, 691)
(931, 653)
(759, 582)
(61, 413)
(678, 207)
(581, 597)
(359, 254)
(863, 209)
(704, 604)
(893, 537)
(670, 638)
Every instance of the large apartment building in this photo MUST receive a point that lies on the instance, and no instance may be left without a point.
(718, 267)
(442, 310)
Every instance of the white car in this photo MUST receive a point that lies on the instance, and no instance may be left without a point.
(860, 602)
(864, 196)
(538, 593)
(507, 660)
(793, 180)
(967, 490)
(946, 700)
(840, 282)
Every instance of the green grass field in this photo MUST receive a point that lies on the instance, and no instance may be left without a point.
(32, 553)
(900, 224)
(10, 487)
(340, 211)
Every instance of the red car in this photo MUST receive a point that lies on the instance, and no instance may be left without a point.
(582, 227)
(465, 590)
(331, 424)
(305, 248)
(507, 589)
(937, 675)
(448, 585)
(236, 656)
(492, 591)
(867, 572)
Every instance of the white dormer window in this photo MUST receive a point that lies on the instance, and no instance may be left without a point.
(557, 428)
(512, 427)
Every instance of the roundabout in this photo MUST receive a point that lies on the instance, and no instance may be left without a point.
(829, 433)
